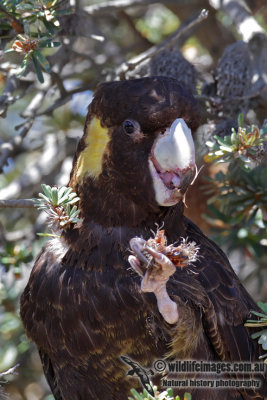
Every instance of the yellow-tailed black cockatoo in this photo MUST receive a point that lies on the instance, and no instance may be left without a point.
(109, 287)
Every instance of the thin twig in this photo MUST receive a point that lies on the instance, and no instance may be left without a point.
(20, 203)
(65, 98)
(153, 51)
(6, 97)
(58, 80)
(140, 39)
(10, 371)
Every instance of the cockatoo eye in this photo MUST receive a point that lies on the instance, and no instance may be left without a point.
(130, 126)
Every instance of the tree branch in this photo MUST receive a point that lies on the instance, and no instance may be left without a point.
(153, 51)
(6, 97)
(66, 97)
(242, 18)
(143, 42)
(20, 203)
(9, 371)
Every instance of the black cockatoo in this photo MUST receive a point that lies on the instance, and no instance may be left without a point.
(85, 304)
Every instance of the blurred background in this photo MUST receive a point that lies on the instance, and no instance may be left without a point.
(52, 56)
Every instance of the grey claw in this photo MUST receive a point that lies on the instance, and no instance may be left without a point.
(137, 245)
(135, 264)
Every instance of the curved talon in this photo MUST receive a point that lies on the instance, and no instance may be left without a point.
(155, 275)
(159, 257)
(162, 260)
(135, 264)
(137, 245)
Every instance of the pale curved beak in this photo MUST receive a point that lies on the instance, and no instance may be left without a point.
(175, 149)
(172, 163)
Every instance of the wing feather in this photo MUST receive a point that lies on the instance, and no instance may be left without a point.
(231, 303)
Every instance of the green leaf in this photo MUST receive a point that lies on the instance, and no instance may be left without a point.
(136, 395)
(74, 212)
(187, 396)
(50, 27)
(48, 44)
(63, 223)
(23, 66)
(54, 197)
(62, 191)
(263, 306)
(263, 341)
(42, 60)
(37, 201)
(47, 190)
(146, 394)
(256, 323)
(60, 199)
(37, 68)
(210, 144)
(72, 195)
(240, 120)
(48, 200)
(220, 140)
(24, 6)
(51, 4)
(40, 14)
(258, 314)
(258, 334)
(73, 209)
(170, 392)
(64, 12)
(226, 148)
(68, 196)
(234, 137)
(75, 200)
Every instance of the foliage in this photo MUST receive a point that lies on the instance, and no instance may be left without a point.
(57, 203)
(37, 30)
(13, 341)
(242, 145)
(165, 395)
(155, 25)
(13, 255)
(260, 323)
(237, 202)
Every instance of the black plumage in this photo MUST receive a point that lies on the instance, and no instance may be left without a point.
(83, 305)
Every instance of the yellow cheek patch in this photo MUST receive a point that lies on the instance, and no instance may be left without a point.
(90, 159)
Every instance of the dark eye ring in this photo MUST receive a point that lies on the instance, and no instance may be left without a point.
(130, 126)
